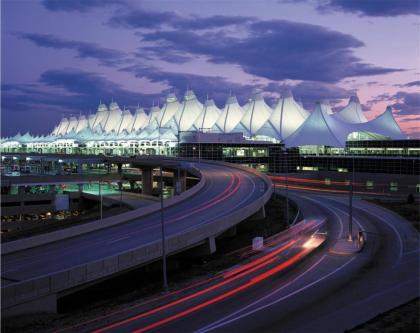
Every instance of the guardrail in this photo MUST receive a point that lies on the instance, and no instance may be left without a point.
(111, 221)
(50, 285)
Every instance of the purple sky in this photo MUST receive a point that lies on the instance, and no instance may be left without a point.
(61, 57)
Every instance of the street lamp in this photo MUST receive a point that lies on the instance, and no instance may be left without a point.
(162, 222)
(350, 235)
(101, 200)
(287, 188)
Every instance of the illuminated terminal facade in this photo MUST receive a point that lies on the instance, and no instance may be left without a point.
(254, 134)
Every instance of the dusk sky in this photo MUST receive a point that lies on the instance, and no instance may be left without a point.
(61, 57)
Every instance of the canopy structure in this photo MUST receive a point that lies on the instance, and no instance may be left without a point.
(188, 112)
(385, 124)
(287, 122)
(231, 115)
(256, 114)
(286, 118)
(140, 119)
(113, 119)
(100, 117)
(325, 105)
(82, 123)
(352, 113)
(207, 119)
(126, 122)
(320, 129)
(169, 109)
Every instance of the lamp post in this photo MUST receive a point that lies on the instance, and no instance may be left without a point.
(101, 200)
(162, 222)
(287, 189)
(350, 235)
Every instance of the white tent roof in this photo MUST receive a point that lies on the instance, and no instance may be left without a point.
(63, 127)
(72, 125)
(325, 105)
(231, 115)
(385, 124)
(257, 112)
(188, 111)
(168, 111)
(126, 121)
(114, 118)
(91, 120)
(100, 116)
(140, 119)
(352, 113)
(320, 129)
(286, 118)
(209, 116)
(152, 121)
(82, 123)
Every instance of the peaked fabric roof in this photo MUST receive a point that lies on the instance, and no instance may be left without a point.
(140, 119)
(188, 111)
(231, 116)
(286, 118)
(352, 113)
(319, 129)
(208, 117)
(168, 110)
(385, 124)
(288, 122)
(256, 114)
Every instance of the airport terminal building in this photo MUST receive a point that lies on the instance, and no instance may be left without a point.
(271, 139)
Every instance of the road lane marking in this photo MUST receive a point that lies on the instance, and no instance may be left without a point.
(203, 329)
(277, 300)
(390, 225)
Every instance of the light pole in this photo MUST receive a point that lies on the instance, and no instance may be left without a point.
(101, 200)
(162, 222)
(287, 189)
(350, 235)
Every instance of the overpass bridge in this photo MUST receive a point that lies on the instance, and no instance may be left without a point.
(37, 271)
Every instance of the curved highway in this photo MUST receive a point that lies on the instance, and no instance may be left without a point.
(227, 190)
(326, 292)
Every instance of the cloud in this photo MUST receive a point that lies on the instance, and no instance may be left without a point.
(408, 85)
(275, 50)
(140, 18)
(106, 56)
(79, 5)
(309, 92)
(406, 103)
(58, 92)
(215, 87)
(375, 8)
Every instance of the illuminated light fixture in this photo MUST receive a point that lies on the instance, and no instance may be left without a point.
(60, 161)
(28, 158)
(14, 158)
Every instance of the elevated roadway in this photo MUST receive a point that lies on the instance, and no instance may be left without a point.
(35, 273)
(325, 292)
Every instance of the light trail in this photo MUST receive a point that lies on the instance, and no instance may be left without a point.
(262, 262)
(221, 297)
(318, 189)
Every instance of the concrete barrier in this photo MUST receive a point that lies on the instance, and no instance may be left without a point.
(17, 295)
(111, 221)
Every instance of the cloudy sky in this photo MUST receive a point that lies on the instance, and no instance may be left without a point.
(61, 57)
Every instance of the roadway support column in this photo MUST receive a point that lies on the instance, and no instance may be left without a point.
(180, 181)
(147, 180)
(79, 168)
(119, 165)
